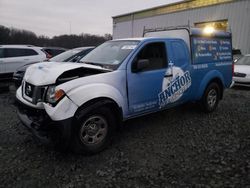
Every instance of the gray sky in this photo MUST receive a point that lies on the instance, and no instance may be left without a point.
(54, 17)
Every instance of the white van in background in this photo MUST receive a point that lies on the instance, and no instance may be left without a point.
(14, 56)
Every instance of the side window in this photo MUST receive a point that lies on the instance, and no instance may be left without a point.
(1, 53)
(179, 53)
(13, 52)
(155, 53)
(29, 52)
(18, 52)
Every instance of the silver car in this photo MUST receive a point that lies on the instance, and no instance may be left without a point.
(241, 75)
(14, 56)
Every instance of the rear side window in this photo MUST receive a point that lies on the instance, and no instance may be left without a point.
(180, 54)
(29, 52)
(18, 52)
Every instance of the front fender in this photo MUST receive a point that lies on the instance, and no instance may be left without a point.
(213, 74)
(85, 93)
(65, 109)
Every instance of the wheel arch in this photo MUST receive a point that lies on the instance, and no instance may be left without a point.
(212, 76)
(98, 102)
(220, 84)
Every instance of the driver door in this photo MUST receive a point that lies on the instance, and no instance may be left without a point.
(145, 81)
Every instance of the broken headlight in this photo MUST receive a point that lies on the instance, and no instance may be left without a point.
(53, 95)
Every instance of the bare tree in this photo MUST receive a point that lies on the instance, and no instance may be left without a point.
(17, 36)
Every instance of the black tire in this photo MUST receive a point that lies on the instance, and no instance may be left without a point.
(92, 132)
(211, 97)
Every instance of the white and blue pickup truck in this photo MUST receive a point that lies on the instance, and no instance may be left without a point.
(81, 104)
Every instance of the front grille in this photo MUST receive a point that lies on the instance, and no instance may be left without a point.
(237, 74)
(33, 94)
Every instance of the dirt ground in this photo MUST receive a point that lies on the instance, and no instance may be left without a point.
(181, 147)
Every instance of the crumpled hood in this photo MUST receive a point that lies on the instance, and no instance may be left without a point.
(46, 73)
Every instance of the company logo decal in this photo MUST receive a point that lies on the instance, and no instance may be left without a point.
(174, 87)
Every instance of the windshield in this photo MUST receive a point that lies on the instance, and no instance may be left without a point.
(245, 60)
(110, 54)
(65, 55)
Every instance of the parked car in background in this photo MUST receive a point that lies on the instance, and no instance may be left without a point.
(241, 75)
(14, 56)
(73, 55)
(53, 51)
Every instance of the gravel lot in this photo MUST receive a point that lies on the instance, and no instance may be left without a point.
(182, 147)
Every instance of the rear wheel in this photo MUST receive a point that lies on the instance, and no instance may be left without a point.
(92, 132)
(211, 97)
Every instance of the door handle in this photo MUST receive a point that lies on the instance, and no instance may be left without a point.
(26, 59)
(168, 75)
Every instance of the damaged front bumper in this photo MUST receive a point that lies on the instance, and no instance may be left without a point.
(45, 130)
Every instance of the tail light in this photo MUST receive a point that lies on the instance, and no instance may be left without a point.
(233, 68)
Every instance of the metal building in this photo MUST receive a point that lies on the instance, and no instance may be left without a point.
(233, 15)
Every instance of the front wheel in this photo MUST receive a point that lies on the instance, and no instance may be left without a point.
(93, 131)
(211, 97)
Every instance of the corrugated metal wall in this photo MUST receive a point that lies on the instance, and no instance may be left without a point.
(237, 13)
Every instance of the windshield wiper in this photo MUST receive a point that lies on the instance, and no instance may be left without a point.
(104, 66)
(91, 63)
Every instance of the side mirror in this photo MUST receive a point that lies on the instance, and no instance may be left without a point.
(141, 64)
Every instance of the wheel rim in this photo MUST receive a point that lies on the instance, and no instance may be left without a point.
(212, 98)
(93, 130)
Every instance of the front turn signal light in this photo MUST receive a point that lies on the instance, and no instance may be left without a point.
(59, 94)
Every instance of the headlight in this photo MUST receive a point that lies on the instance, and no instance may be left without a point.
(53, 96)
